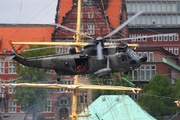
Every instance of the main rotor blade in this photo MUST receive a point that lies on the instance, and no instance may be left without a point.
(51, 43)
(74, 31)
(150, 36)
(124, 24)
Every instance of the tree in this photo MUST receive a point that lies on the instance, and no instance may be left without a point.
(156, 95)
(31, 100)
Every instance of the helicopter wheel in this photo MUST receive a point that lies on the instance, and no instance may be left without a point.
(58, 79)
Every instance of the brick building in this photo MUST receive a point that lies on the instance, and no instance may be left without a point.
(97, 20)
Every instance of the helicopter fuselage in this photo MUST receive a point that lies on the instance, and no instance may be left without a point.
(85, 62)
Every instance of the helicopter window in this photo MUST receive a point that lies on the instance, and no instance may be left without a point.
(81, 64)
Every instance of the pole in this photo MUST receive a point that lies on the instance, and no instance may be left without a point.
(78, 39)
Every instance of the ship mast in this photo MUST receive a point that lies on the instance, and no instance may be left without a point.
(76, 78)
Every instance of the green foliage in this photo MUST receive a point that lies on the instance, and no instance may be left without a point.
(156, 95)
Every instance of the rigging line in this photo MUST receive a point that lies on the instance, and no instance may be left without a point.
(47, 14)
(112, 108)
(28, 22)
(153, 95)
(40, 11)
(106, 20)
(95, 13)
(100, 16)
(20, 10)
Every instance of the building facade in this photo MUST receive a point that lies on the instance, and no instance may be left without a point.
(159, 17)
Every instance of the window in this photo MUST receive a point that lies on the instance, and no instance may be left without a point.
(63, 101)
(140, 54)
(176, 51)
(91, 29)
(1, 66)
(159, 38)
(144, 38)
(171, 50)
(59, 50)
(83, 98)
(170, 37)
(139, 38)
(134, 75)
(2, 107)
(12, 69)
(176, 37)
(147, 72)
(10, 89)
(133, 36)
(90, 15)
(11, 106)
(151, 56)
(47, 108)
(142, 73)
(1, 88)
(155, 38)
(165, 38)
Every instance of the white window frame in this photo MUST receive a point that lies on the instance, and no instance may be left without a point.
(140, 54)
(134, 75)
(171, 50)
(11, 106)
(176, 50)
(138, 37)
(170, 37)
(159, 38)
(11, 67)
(91, 27)
(90, 15)
(151, 56)
(10, 89)
(59, 49)
(63, 101)
(48, 107)
(143, 72)
(165, 36)
(155, 38)
(176, 37)
(1, 88)
(144, 38)
(2, 66)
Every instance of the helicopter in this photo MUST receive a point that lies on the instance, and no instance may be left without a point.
(98, 57)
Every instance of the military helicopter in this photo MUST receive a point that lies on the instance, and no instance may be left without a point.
(97, 57)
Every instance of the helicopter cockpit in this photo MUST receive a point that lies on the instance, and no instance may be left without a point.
(134, 58)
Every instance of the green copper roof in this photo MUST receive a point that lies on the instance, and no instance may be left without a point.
(116, 107)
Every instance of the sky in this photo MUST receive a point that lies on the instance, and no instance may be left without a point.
(27, 11)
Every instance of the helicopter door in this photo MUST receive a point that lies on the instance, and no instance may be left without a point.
(81, 64)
